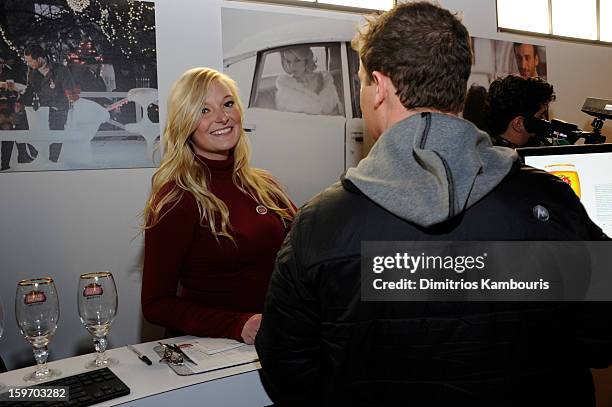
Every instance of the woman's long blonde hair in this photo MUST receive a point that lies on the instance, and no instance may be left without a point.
(180, 170)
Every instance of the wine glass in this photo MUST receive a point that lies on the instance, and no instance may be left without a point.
(37, 314)
(97, 301)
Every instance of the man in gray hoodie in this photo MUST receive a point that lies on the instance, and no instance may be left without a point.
(431, 176)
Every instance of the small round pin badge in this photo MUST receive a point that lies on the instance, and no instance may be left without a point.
(541, 213)
(262, 210)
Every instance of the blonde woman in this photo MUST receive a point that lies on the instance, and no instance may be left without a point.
(212, 223)
(303, 89)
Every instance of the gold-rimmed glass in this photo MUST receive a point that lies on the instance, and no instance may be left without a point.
(37, 313)
(97, 302)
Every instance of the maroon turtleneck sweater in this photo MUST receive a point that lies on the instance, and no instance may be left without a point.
(194, 285)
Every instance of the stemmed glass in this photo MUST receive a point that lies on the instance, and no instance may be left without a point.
(37, 314)
(97, 301)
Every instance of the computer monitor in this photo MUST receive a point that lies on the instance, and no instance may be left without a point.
(588, 170)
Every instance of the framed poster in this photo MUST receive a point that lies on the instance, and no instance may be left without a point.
(78, 85)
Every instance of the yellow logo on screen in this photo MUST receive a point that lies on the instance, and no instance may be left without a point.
(568, 174)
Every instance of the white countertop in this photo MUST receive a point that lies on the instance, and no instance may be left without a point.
(159, 384)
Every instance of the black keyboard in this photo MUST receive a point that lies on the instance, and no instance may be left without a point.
(84, 389)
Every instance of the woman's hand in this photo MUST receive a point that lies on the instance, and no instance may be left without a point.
(250, 328)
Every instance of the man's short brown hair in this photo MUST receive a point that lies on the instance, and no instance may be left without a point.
(424, 49)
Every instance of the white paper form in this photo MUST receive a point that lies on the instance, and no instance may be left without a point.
(217, 353)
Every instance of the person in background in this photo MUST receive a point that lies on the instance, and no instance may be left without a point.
(13, 67)
(212, 223)
(8, 97)
(6, 122)
(17, 70)
(510, 102)
(430, 176)
(48, 84)
(86, 75)
(124, 81)
(473, 109)
(304, 90)
(527, 59)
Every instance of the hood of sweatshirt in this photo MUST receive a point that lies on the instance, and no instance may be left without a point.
(431, 167)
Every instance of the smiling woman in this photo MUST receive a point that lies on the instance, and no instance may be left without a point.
(212, 223)
(219, 128)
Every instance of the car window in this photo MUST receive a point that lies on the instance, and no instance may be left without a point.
(301, 79)
(353, 61)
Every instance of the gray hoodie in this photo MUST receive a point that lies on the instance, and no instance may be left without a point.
(430, 167)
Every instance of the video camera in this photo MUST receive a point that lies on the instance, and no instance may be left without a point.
(558, 132)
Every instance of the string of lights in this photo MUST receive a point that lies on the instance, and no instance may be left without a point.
(122, 28)
(133, 22)
(78, 5)
(7, 41)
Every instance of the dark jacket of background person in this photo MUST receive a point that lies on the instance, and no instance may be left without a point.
(86, 78)
(319, 344)
(52, 90)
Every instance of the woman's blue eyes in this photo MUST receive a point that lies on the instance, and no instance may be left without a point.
(228, 104)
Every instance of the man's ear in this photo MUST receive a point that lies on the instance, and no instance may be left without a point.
(518, 124)
(380, 81)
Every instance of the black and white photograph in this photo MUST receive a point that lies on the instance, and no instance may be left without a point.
(297, 76)
(78, 85)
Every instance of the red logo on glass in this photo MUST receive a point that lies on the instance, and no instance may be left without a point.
(34, 297)
(92, 289)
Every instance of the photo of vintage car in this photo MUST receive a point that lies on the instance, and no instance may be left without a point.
(298, 82)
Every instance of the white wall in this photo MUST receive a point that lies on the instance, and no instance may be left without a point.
(65, 223)
(62, 224)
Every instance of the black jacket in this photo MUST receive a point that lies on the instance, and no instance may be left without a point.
(52, 89)
(319, 344)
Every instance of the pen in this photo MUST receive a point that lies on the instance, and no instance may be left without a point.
(140, 355)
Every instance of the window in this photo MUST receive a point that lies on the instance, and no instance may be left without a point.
(573, 19)
(605, 14)
(300, 79)
(524, 15)
(589, 20)
(353, 61)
